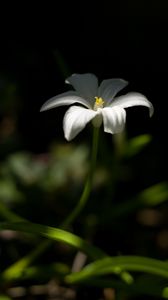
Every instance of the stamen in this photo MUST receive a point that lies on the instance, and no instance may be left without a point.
(98, 103)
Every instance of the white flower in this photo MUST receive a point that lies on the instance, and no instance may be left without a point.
(98, 104)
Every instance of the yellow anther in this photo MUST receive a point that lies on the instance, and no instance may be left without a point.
(98, 103)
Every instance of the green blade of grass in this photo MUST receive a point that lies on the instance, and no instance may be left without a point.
(55, 234)
(118, 265)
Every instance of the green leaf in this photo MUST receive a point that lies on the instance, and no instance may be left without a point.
(55, 234)
(17, 269)
(118, 265)
(42, 272)
(46, 271)
(9, 192)
(136, 144)
(4, 297)
(154, 195)
(165, 293)
(149, 197)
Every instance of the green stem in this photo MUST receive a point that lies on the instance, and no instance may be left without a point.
(94, 151)
(88, 185)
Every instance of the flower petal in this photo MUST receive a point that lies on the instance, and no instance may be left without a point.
(133, 99)
(110, 87)
(75, 120)
(113, 119)
(66, 98)
(85, 84)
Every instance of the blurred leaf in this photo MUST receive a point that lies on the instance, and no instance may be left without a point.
(45, 272)
(26, 167)
(55, 234)
(9, 191)
(15, 270)
(4, 297)
(154, 195)
(165, 293)
(64, 164)
(136, 144)
(119, 264)
(67, 164)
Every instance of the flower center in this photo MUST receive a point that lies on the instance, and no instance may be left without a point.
(98, 103)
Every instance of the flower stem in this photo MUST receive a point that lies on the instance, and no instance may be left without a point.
(88, 185)
(94, 151)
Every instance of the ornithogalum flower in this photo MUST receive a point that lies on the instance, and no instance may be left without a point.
(98, 104)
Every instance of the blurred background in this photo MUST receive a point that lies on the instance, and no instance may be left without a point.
(41, 175)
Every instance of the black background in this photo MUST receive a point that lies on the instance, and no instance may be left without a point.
(126, 39)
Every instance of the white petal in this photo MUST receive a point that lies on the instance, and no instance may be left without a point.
(113, 119)
(85, 84)
(66, 98)
(133, 99)
(75, 120)
(110, 87)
